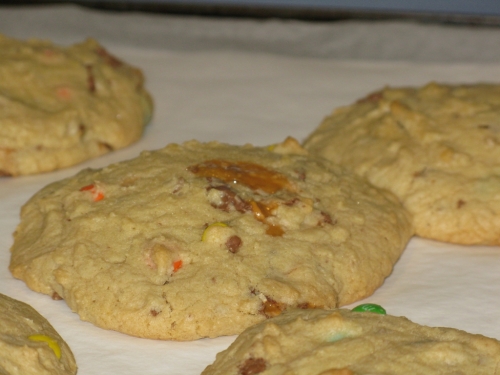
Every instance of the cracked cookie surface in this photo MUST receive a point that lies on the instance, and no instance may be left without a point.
(437, 147)
(29, 345)
(206, 239)
(60, 106)
(341, 342)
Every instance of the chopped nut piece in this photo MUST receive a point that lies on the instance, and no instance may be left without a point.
(229, 199)
(252, 366)
(271, 308)
(90, 78)
(56, 297)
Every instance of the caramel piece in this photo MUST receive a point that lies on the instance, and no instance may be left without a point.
(261, 211)
(271, 308)
(255, 176)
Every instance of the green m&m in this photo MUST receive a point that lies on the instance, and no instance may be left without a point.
(370, 307)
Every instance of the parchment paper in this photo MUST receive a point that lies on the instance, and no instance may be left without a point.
(254, 95)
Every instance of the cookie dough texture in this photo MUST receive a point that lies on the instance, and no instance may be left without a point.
(341, 342)
(60, 106)
(206, 239)
(20, 355)
(436, 147)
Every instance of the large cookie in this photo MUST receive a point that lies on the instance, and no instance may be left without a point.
(29, 345)
(436, 147)
(200, 240)
(341, 342)
(60, 106)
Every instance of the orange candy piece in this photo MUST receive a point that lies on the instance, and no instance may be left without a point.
(96, 194)
(177, 265)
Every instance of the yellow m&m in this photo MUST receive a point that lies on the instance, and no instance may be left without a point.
(50, 341)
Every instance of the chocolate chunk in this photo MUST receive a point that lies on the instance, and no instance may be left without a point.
(234, 243)
(230, 199)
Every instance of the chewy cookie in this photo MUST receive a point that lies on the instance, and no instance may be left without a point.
(199, 240)
(342, 342)
(29, 345)
(61, 106)
(436, 147)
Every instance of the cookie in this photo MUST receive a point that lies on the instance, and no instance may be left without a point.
(29, 345)
(206, 239)
(437, 147)
(342, 342)
(60, 106)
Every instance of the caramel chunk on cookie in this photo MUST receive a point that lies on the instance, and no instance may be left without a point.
(206, 239)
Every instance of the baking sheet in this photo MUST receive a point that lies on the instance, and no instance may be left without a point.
(259, 97)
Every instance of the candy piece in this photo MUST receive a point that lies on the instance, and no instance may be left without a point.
(205, 232)
(177, 265)
(337, 337)
(50, 341)
(96, 194)
(370, 307)
(87, 188)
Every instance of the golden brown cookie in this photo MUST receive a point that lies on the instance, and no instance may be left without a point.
(341, 342)
(206, 239)
(436, 147)
(62, 105)
(29, 345)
